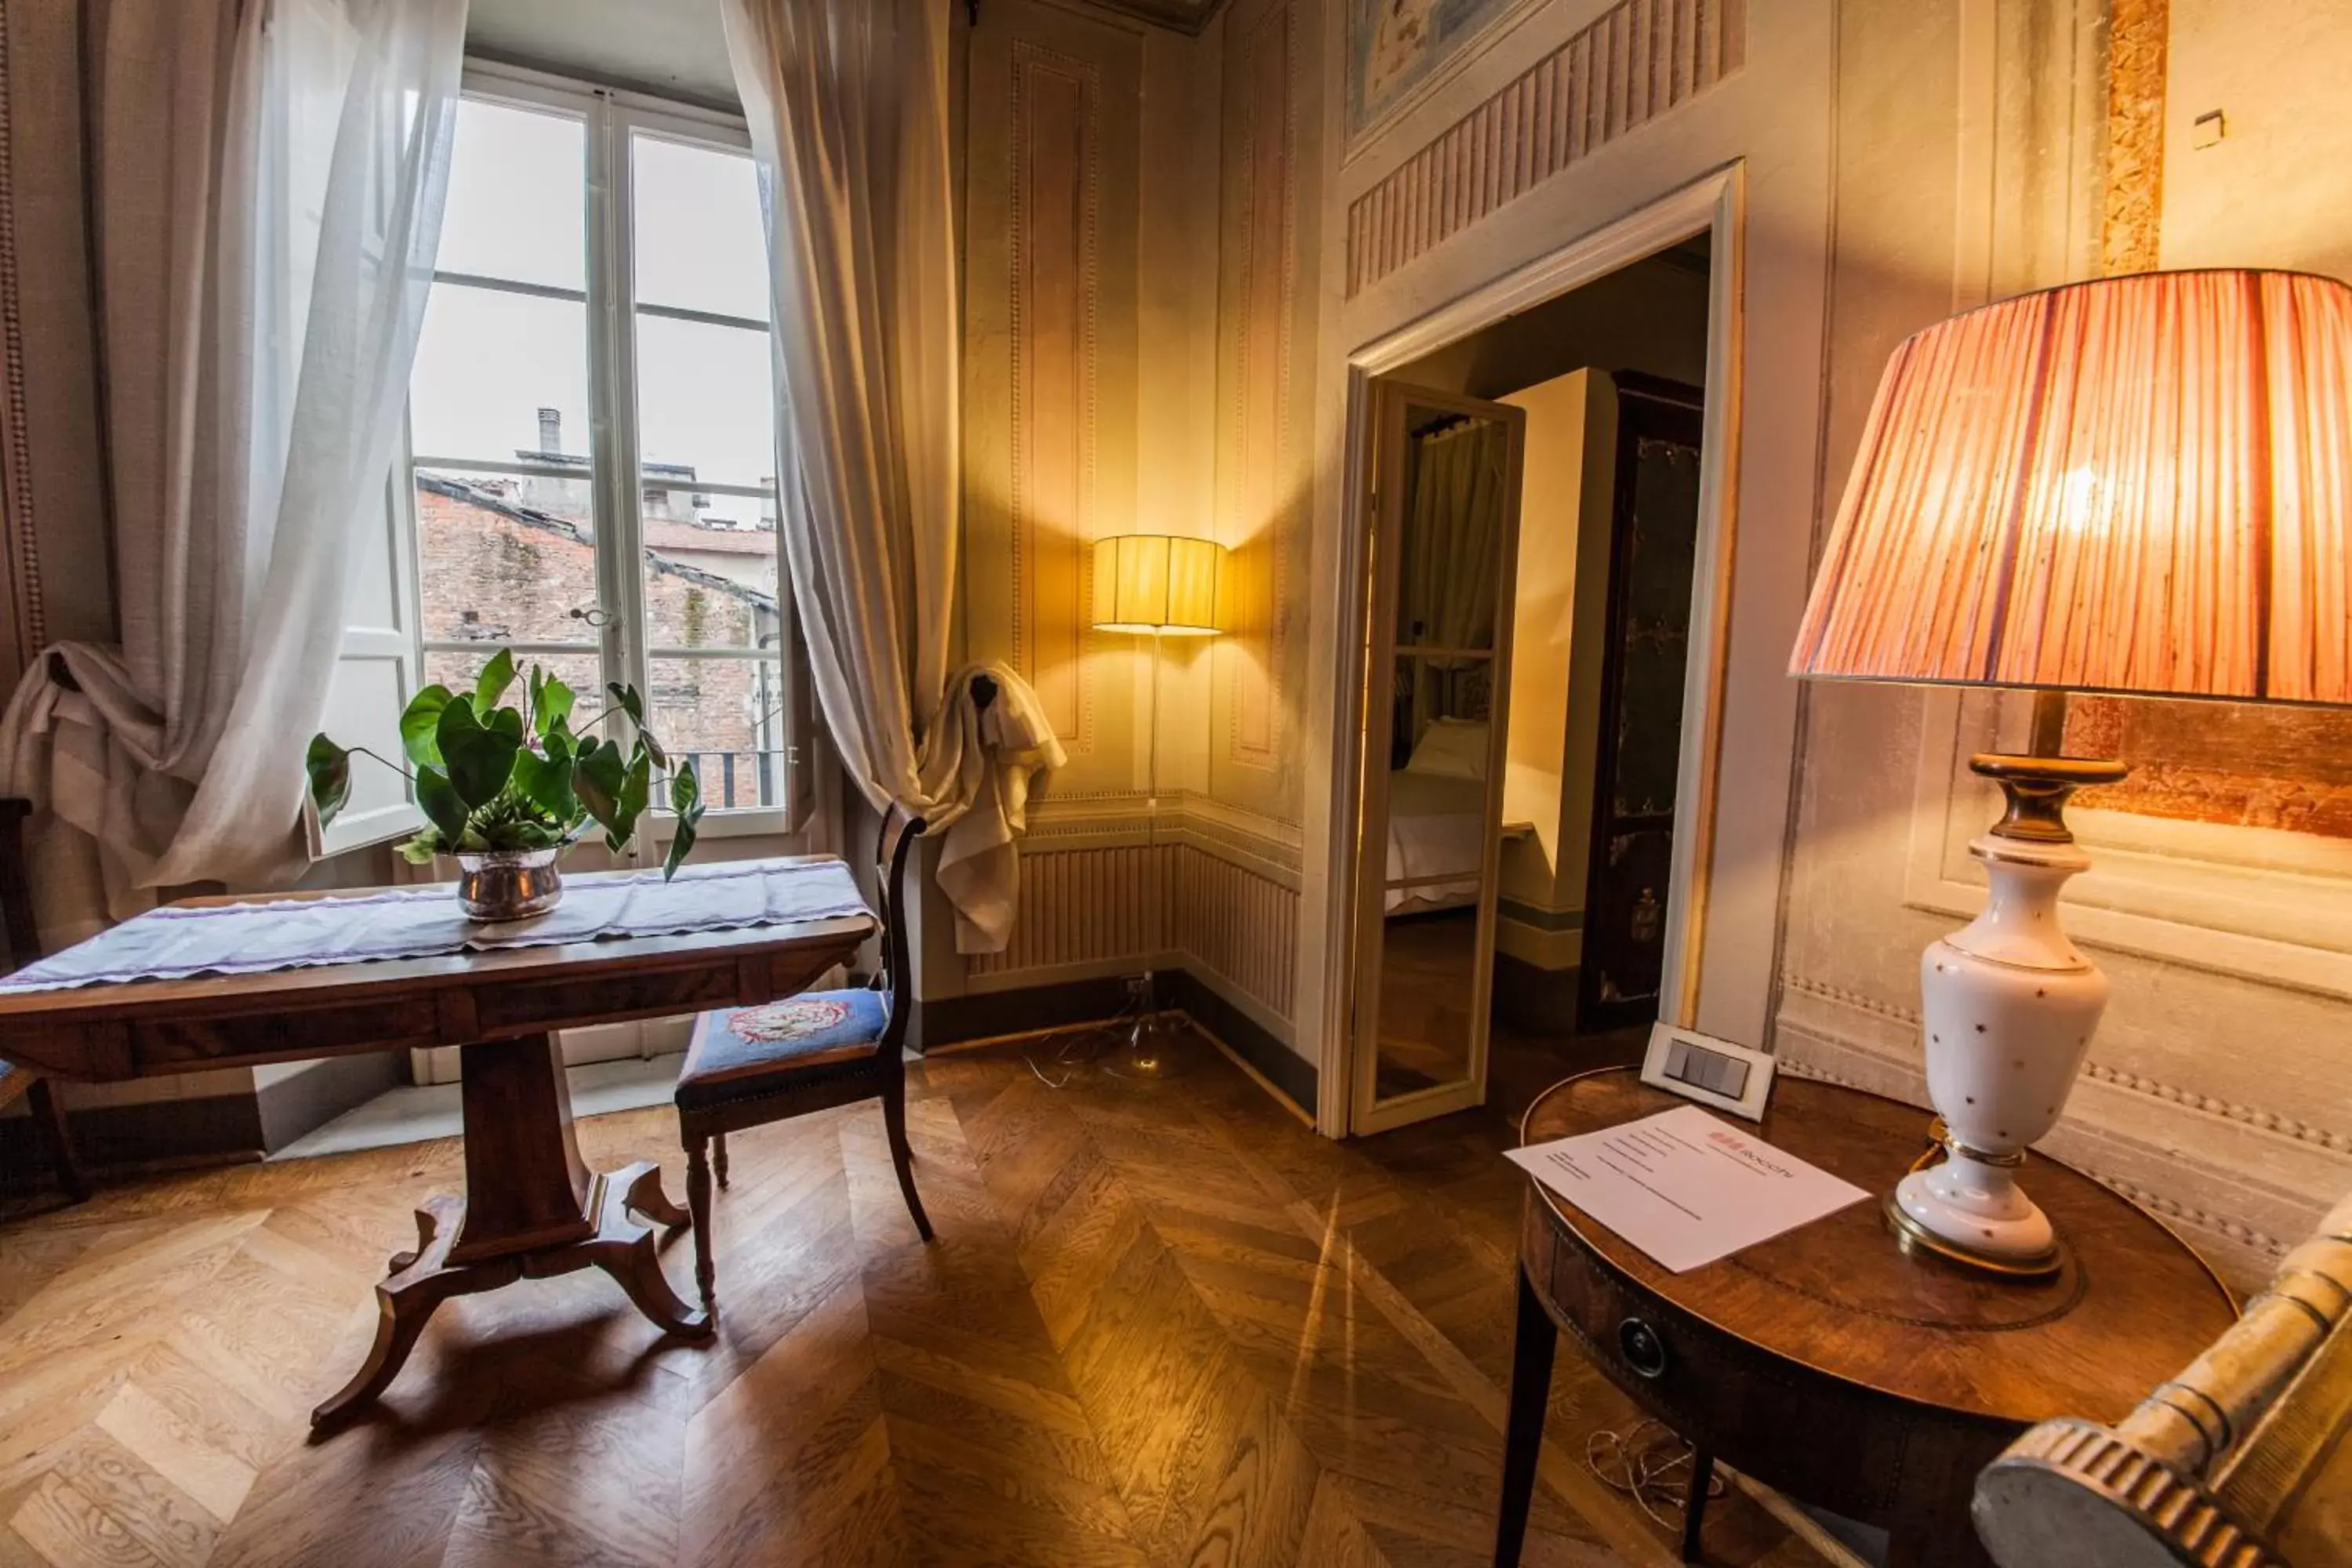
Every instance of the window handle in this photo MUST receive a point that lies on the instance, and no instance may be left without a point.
(596, 616)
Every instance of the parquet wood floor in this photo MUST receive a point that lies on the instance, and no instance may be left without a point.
(1163, 1325)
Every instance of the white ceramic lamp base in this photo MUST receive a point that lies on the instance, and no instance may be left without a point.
(2008, 1008)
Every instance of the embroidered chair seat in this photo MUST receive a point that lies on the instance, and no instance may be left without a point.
(741, 1052)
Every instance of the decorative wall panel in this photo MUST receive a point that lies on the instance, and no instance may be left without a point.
(1636, 62)
(21, 632)
(1262, 499)
(1053, 117)
(1057, 282)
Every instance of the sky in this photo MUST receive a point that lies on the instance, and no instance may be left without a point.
(489, 361)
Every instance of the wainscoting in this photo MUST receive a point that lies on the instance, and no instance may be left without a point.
(1213, 898)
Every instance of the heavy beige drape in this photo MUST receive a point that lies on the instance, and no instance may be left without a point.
(848, 101)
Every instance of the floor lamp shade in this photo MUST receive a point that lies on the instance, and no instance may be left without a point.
(2136, 485)
(1156, 582)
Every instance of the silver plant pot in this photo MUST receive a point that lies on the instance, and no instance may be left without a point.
(508, 884)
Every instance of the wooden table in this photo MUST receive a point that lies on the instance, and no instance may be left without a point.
(1826, 1362)
(533, 1207)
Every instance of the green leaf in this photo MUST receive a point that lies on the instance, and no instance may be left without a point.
(330, 767)
(546, 782)
(551, 703)
(629, 702)
(637, 790)
(419, 723)
(442, 806)
(492, 683)
(685, 800)
(634, 707)
(598, 774)
(480, 760)
(420, 851)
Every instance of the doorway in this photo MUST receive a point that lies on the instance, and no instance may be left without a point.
(1524, 870)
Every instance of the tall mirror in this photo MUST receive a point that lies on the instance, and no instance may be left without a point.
(1444, 542)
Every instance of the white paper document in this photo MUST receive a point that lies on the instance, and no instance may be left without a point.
(1685, 1186)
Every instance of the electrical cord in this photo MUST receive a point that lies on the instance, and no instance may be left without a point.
(1085, 1047)
(1639, 1463)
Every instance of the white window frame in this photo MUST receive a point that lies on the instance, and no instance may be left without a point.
(611, 118)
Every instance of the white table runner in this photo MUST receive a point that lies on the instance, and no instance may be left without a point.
(175, 943)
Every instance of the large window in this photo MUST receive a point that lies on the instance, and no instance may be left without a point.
(591, 443)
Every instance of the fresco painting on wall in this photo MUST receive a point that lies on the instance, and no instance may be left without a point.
(2238, 764)
(1394, 46)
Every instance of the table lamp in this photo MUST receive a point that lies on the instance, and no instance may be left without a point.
(2140, 485)
(1159, 585)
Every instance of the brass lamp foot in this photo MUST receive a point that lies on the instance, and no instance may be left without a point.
(1150, 1054)
(1917, 1240)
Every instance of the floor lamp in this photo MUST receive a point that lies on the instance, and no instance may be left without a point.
(1157, 586)
(2140, 485)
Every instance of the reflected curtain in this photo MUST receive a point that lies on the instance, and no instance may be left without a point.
(1451, 559)
(848, 101)
(266, 181)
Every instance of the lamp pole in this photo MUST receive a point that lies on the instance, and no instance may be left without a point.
(1146, 1055)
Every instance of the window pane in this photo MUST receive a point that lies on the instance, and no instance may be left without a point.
(727, 716)
(709, 582)
(500, 375)
(701, 240)
(506, 558)
(516, 197)
(706, 403)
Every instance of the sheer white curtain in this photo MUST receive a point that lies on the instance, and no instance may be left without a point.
(274, 174)
(849, 108)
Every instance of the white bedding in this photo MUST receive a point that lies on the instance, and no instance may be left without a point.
(1436, 828)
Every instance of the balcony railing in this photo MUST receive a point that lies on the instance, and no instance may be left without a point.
(735, 781)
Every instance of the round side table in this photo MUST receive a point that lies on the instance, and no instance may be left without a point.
(1826, 1362)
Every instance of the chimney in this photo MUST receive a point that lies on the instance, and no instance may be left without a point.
(551, 431)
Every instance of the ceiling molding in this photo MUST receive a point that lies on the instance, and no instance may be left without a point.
(1187, 17)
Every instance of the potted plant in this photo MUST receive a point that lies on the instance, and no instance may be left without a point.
(507, 790)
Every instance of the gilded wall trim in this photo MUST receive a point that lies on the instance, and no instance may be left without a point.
(2131, 216)
(1637, 60)
(1055, 319)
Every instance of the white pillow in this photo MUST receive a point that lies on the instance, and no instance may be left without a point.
(1452, 748)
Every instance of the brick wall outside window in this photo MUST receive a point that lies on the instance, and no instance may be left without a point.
(490, 576)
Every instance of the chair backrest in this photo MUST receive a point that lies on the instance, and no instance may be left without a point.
(890, 858)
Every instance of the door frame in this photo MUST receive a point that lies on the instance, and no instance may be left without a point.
(1713, 205)
(1371, 1113)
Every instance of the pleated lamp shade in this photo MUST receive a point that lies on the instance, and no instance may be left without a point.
(2138, 485)
(1156, 582)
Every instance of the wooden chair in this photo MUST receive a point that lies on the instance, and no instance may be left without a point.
(48, 1118)
(749, 1066)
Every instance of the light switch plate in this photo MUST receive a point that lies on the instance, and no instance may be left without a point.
(1708, 1070)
